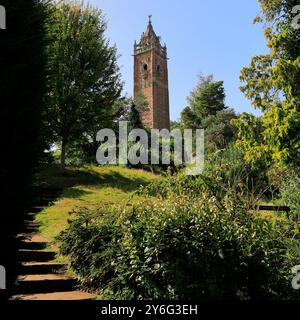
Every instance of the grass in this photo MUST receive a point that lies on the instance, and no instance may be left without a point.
(89, 187)
(92, 187)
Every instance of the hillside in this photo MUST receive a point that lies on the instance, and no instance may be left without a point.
(88, 187)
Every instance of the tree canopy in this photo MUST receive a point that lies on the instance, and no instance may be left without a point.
(85, 82)
(207, 110)
(207, 98)
(272, 84)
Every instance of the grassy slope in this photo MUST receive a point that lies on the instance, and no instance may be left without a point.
(91, 187)
(87, 187)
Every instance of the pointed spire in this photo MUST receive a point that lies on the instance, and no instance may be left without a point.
(149, 40)
(150, 32)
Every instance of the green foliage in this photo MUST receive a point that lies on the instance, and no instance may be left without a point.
(175, 125)
(180, 248)
(219, 132)
(290, 194)
(189, 119)
(134, 118)
(83, 149)
(224, 170)
(272, 84)
(249, 137)
(135, 107)
(192, 237)
(207, 110)
(141, 103)
(207, 98)
(85, 80)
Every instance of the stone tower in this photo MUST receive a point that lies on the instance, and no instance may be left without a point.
(151, 78)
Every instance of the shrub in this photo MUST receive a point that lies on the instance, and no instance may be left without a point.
(290, 194)
(177, 249)
(225, 170)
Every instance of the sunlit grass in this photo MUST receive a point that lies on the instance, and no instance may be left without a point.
(89, 187)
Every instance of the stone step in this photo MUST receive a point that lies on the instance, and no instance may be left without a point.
(46, 189)
(30, 223)
(50, 196)
(36, 209)
(30, 226)
(35, 268)
(44, 202)
(46, 283)
(29, 245)
(30, 216)
(31, 237)
(35, 255)
(28, 229)
(67, 295)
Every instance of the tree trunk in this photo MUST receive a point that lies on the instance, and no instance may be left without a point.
(63, 155)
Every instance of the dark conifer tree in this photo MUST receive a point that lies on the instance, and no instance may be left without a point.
(22, 75)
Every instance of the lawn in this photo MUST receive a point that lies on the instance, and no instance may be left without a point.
(89, 187)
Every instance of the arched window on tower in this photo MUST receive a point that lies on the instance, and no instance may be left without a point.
(145, 70)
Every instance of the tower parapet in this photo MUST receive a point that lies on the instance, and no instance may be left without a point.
(150, 41)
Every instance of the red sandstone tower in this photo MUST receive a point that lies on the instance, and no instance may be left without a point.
(151, 78)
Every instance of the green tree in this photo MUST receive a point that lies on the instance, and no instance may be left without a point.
(134, 118)
(207, 98)
(189, 119)
(207, 110)
(135, 108)
(85, 81)
(250, 138)
(175, 125)
(141, 103)
(219, 131)
(82, 149)
(272, 84)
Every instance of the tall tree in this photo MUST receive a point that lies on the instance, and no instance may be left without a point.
(134, 117)
(85, 81)
(22, 84)
(208, 97)
(219, 131)
(207, 110)
(189, 119)
(141, 103)
(272, 84)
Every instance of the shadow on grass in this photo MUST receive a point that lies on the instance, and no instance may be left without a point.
(52, 177)
(74, 193)
(117, 180)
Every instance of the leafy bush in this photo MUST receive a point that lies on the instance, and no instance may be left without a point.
(177, 249)
(225, 171)
(290, 194)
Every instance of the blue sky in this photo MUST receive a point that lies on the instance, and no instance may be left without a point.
(212, 37)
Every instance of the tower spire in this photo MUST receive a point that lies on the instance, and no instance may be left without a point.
(149, 40)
